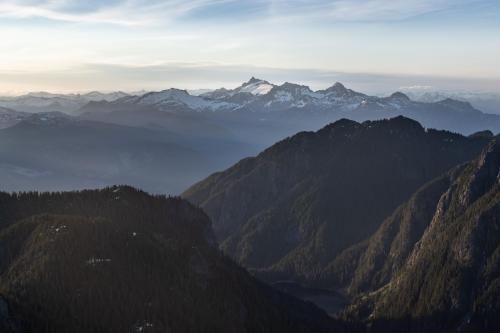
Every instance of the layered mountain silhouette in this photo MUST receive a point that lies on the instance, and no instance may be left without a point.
(288, 213)
(9, 117)
(266, 104)
(55, 151)
(48, 102)
(165, 141)
(119, 260)
(433, 265)
(424, 204)
(387, 225)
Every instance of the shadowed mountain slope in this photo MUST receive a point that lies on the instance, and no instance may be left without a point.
(290, 211)
(434, 265)
(119, 260)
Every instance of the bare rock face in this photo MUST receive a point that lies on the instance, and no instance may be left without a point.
(450, 278)
(484, 174)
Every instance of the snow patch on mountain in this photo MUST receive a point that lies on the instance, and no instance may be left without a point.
(256, 87)
(176, 97)
(46, 102)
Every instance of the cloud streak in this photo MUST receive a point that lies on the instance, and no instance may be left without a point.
(47, 43)
(140, 12)
(121, 12)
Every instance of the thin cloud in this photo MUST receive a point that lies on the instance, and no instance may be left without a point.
(123, 12)
(33, 11)
(140, 12)
(99, 76)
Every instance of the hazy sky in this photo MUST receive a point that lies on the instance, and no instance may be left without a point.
(374, 45)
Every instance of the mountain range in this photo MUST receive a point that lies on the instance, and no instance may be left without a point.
(386, 225)
(262, 97)
(488, 102)
(55, 151)
(165, 141)
(264, 102)
(48, 102)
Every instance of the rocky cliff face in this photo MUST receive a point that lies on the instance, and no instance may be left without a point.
(446, 276)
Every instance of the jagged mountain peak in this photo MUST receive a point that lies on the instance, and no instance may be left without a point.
(156, 96)
(175, 91)
(294, 89)
(254, 80)
(177, 98)
(254, 86)
(483, 174)
(337, 87)
(260, 96)
(290, 85)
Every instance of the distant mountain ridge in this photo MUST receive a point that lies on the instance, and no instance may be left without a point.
(55, 151)
(261, 100)
(47, 102)
(255, 95)
(221, 127)
(488, 102)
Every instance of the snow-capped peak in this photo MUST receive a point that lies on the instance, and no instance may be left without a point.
(177, 97)
(253, 80)
(255, 87)
(296, 90)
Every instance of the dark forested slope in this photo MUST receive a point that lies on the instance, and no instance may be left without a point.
(119, 260)
(290, 211)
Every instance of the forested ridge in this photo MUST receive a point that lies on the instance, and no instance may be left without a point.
(288, 213)
(120, 260)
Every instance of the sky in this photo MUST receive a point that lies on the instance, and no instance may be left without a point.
(370, 45)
